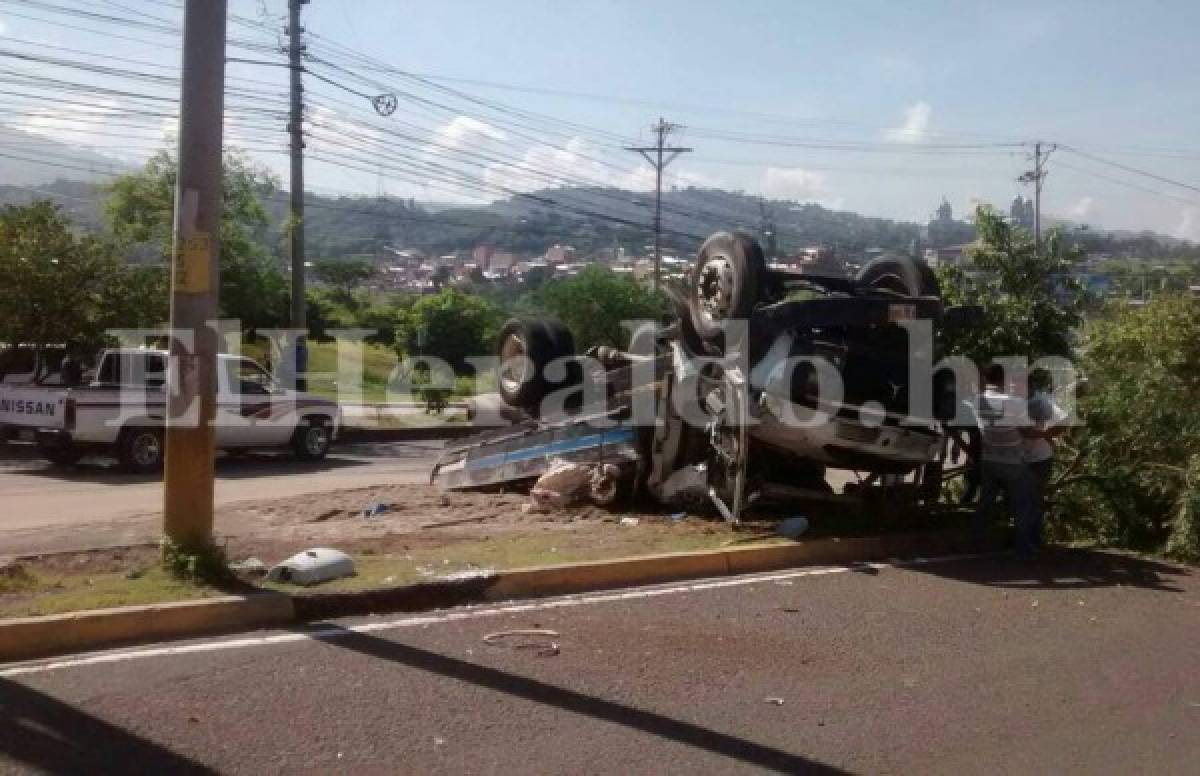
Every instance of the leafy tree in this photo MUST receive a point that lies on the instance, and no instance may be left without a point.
(343, 277)
(62, 287)
(1029, 301)
(594, 302)
(455, 326)
(1130, 475)
(140, 209)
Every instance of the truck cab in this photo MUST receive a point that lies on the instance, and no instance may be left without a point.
(122, 411)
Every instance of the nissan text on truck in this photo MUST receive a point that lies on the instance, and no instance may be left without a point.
(121, 412)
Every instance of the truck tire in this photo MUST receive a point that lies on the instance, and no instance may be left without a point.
(899, 274)
(523, 384)
(726, 282)
(311, 440)
(61, 454)
(140, 449)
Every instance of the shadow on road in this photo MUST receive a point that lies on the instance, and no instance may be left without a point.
(1062, 569)
(46, 734)
(577, 703)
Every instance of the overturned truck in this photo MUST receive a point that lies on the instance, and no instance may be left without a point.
(760, 381)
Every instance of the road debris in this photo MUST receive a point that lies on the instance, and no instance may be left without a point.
(629, 521)
(458, 521)
(375, 510)
(564, 484)
(773, 701)
(605, 486)
(540, 640)
(312, 567)
(251, 567)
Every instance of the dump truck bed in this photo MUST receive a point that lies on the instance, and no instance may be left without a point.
(525, 451)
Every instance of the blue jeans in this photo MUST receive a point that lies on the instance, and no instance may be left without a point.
(1016, 482)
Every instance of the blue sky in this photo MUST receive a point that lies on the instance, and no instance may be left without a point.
(878, 107)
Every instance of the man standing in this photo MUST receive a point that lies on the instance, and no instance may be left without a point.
(1046, 424)
(1003, 469)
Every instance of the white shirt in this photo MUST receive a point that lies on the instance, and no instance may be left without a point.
(1001, 417)
(1048, 415)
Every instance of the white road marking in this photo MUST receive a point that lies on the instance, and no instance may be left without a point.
(455, 615)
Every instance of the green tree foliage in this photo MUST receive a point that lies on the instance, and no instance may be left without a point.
(62, 287)
(594, 302)
(343, 277)
(455, 326)
(1130, 476)
(1030, 303)
(140, 209)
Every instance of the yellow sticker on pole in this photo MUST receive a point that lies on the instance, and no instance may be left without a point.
(192, 264)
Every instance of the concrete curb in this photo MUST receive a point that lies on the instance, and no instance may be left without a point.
(34, 637)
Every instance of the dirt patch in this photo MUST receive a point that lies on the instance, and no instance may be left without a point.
(406, 517)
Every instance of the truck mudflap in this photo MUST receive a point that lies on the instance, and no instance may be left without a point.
(526, 451)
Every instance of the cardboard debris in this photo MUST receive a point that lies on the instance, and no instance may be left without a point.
(564, 484)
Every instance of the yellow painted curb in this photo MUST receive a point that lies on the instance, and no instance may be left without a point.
(629, 572)
(32, 637)
(599, 575)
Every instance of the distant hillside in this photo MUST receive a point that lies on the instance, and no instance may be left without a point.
(27, 159)
(594, 221)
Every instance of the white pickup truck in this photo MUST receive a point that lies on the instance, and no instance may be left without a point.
(121, 412)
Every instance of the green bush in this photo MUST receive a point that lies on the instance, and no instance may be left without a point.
(454, 326)
(1130, 475)
(594, 303)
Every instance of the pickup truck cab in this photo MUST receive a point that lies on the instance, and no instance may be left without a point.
(122, 410)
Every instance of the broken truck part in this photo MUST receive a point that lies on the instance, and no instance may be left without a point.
(736, 386)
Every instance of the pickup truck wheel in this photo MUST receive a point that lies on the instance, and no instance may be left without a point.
(61, 454)
(140, 449)
(525, 347)
(726, 281)
(311, 440)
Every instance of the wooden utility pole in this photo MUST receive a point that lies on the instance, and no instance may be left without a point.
(299, 320)
(1036, 176)
(661, 130)
(192, 385)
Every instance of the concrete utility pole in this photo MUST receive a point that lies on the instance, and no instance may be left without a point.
(296, 210)
(192, 388)
(1036, 176)
(661, 129)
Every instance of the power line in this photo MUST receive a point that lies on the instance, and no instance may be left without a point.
(1131, 169)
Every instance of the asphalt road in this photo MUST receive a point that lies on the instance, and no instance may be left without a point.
(1084, 664)
(36, 496)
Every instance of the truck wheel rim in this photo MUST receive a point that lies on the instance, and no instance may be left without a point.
(714, 288)
(315, 440)
(514, 363)
(146, 449)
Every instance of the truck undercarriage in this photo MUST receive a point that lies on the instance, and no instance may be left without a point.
(729, 404)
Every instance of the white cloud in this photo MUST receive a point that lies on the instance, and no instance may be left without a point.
(3, 27)
(793, 183)
(462, 131)
(1189, 224)
(914, 128)
(70, 123)
(542, 166)
(1082, 208)
(326, 124)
